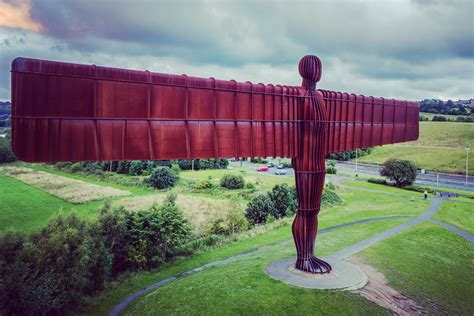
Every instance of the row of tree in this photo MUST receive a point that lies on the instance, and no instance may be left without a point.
(439, 107)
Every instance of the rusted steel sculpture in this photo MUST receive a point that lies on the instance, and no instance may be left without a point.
(71, 112)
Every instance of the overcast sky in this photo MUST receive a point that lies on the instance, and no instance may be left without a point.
(407, 49)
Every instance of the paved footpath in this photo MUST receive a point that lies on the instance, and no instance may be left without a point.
(339, 255)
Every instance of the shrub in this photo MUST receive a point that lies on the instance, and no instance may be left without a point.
(258, 160)
(283, 200)
(439, 118)
(123, 167)
(137, 167)
(330, 197)
(203, 184)
(350, 154)
(330, 186)
(259, 208)
(331, 170)
(55, 268)
(176, 169)
(213, 163)
(403, 172)
(6, 152)
(420, 189)
(162, 177)
(286, 164)
(217, 227)
(250, 186)
(232, 181)
(377, 181)
(235, 221)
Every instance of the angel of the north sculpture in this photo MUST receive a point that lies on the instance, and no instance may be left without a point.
(72, 112)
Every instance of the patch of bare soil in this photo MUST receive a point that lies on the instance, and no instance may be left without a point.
(380, 292)
(71, 190)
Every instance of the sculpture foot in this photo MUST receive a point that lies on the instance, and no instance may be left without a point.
(313, 265)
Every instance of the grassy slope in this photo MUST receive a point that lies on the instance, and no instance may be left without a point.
(357, 205)
(242, 287)
(439, 148)
(25, 208)
(457, 214)
(430, 264)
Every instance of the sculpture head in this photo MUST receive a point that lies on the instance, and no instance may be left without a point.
(310, 69)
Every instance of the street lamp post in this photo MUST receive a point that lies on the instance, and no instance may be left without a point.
(357, 173)
(467, 162)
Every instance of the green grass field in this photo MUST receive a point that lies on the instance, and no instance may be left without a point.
(457, 214)
(240, 286)
(440, 147)
(430, 264)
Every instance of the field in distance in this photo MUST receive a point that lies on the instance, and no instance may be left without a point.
(440, 147)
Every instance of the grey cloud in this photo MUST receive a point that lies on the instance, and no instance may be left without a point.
(401, 48)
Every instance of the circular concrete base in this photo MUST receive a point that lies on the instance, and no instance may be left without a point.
(344, 276)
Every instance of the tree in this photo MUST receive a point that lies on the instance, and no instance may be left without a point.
(259, 209)
(403, 172)
(162, 177)
(283, 200)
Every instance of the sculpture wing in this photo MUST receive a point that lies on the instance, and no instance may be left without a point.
(72, 112)
(357, 121)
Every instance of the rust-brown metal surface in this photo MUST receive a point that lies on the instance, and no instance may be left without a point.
(72, 112)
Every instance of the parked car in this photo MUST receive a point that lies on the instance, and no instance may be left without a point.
(281, 172)
(271, 165)
(280, 166)
(262, 168)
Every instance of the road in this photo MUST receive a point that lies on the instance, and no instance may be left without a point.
(446, 180)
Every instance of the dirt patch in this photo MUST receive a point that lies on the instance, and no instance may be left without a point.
(71, 190)
(200, 211)
(380, 292)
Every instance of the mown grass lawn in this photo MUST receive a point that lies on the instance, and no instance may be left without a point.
(241, 286)
(430, 264)
(457, 214)
(25, 208)
(439, 148)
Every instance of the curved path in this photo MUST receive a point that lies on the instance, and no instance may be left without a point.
(339, 255)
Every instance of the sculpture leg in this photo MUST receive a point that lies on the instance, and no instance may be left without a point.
(305, 226)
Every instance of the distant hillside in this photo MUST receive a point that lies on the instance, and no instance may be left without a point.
(5, 113)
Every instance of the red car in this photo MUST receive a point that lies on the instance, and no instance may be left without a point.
(262, 168)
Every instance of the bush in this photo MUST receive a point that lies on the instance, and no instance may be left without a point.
(250, 186)
(235, 221)
(123, 167)
(137, 167)
(232, 181)
(420, 189)
(6, 152)
(350, 154)
(258, 160)
(203, 184)
(331, 170)
(438, 118)
(283, 200)
(330, 197)
(403, 172)
(259, 209)
(377, 181)
(54, 269)
(162, 177)
(287, 164)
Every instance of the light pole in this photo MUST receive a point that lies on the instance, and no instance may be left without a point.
(467, 161)
(357, 173)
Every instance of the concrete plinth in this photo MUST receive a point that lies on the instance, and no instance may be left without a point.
(344, 276)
